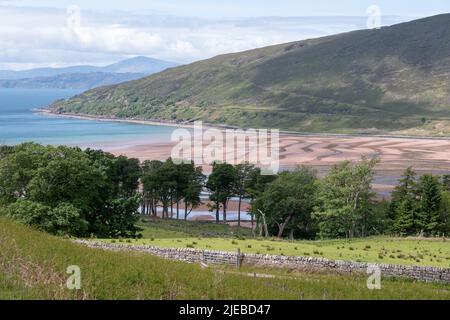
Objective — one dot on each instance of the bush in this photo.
(62, 220)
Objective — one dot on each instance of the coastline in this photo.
(190, 125)
(320, 151)
(113, 119)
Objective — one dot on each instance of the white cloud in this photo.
(42, 36)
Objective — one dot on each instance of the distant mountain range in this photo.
(393, 80)
(83, 77)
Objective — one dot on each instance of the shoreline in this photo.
(190, 125)
(320, 151)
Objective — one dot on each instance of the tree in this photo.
(405, 204)
(67, 179)
(255, 187)
(122, 172)
(149, 171)
(430, 191)
(127, 175)
(405, 221)
(346, 197)
(123, 222)
(17, 167)
(192, 190)
(445, 213)
(6, 150)
(68, 191)
(446, 182)
(221, 184)
(406, 190)
(287, 203)
(244, 174)
(165, 178)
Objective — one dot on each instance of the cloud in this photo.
(50, 36)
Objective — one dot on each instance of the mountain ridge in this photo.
(83, 77)
(394, 79)
(139, 64)
(78, 81)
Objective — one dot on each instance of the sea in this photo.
(19, 122)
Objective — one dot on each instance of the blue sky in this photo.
(252, 8)
(36, 33)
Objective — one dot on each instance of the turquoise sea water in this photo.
(18, 123)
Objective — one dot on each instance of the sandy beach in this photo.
(395, 154)
(319, 151)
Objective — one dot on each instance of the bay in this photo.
(18, 123)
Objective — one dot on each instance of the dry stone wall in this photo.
(429, 274)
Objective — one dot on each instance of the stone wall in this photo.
(429, 274)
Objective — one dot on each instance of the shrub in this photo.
(64, 219)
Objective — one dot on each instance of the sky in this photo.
(57, 33)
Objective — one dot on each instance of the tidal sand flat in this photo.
(322, 152)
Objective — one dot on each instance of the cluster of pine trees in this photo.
(169, 184)
(421, 205)
(177, 187)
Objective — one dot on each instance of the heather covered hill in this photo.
(395, 79)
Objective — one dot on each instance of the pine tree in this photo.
(404, 223)
(404, 204)
(446, 182)
(430, 191)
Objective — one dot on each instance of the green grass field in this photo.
(33, 266)
(158, 228)
(180, 234)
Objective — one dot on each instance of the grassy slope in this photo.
(365, 81)
(33, 264)
(181, 234)
(160, 229)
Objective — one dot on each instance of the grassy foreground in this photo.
(180, 234)
(33, 266)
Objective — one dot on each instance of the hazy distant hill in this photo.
(395, 78)
(83, 77)
(81, 81)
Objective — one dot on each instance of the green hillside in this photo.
(369, 81)
(33, 266)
